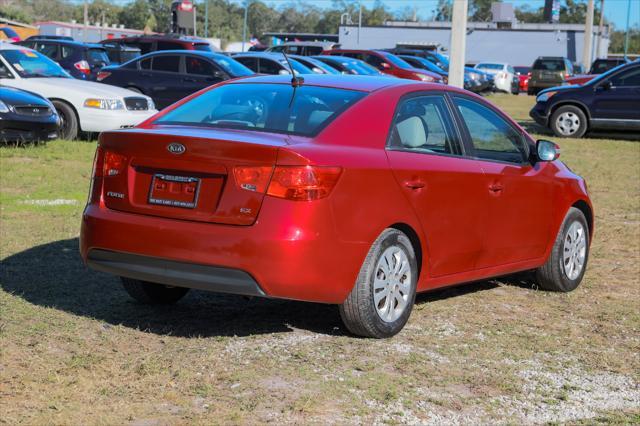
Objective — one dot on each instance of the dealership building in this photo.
(502, 41)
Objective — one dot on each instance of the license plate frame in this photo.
(158, 196)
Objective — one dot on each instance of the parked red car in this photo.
(358, 191)
(388, 63)
(524, 74)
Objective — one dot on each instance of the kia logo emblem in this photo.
(176, 148)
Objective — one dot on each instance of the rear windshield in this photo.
(205, 47)
(264, 107)
(599, 66)
(522, 70)
(549, 64)
(97, 56)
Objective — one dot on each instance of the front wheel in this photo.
(69, 127)
(567, 262)
(569, 122)
(151, 293)
(381, 301)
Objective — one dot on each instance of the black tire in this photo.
(553, 275)
(153, 294)
(69, 127)
(359, 312)
(569, 113)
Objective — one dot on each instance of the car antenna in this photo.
(295, 80)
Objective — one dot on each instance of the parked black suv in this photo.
(169, 76)
(609, 101)
(153, 43)
(81, 60)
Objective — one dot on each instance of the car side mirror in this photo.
(607, 85)
(547, 150)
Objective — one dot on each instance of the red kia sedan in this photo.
(356, 191)
(388, 63)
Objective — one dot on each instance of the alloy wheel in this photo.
(392, 284)
(574, 250)
(568, 123)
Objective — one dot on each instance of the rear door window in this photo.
(97, 56)
(423, 124)
(168, 45)
(48, 49)
(66, 51)
(166, 63)
(267, 66)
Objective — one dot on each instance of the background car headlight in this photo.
(3, 107)
(544, 97)
(474, 76)
(110, 104)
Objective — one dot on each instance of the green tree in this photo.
(480, 10)
(137, 15)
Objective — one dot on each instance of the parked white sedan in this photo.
(503, 74)
(82, 105)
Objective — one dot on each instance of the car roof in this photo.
(212, 55)
(172, 37)
(348, 82)
(68, 42)
(262, 54)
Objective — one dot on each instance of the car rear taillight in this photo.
(253, 178)
(96, 176)
(83, 67)
(114, 164)
(303, 183)
(102, 75)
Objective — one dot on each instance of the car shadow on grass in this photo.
(53, 275)
(534, 128)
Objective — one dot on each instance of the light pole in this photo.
(206, 19)
(588, 33)
(626, 36)
(458, 42)
(244, 25)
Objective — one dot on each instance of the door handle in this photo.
(496, 187)
(414, 184)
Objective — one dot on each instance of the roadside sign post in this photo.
(588, 37)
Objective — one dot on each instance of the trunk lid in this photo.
(185, 173)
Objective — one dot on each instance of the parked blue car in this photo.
(82, 60)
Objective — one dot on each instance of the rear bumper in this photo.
(178, 274)
(292, 251)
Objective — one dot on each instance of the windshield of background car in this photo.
(278, 108)
(233, 67)
(298, 68)
(28, 63)
(398, 62)
(98, 56)
(604, 76)
(522, 70)
(490, 66)
(603, 66)
(127, 55)
(549, 64)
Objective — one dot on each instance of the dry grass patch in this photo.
(76, 350)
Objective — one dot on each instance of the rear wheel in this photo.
(151, 293)
(381, 301)
(567, 262)
(569, 121)
(68, 120)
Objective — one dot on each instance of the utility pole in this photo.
(600, 29)
(206, 19)
(359, 20)
(86, 21)
(458, 42)
(244, 25)
(588, 34)
(626, 35)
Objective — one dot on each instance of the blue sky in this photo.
(615, 10)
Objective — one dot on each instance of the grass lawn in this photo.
(75, 349)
